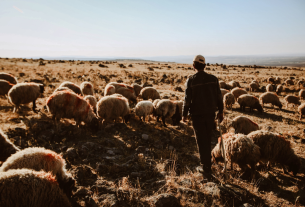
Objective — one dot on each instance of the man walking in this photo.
(202, 99)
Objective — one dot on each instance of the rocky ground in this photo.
(146, 164)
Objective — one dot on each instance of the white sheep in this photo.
(127, 93)
(243, 125)
(238, 92)
(270, 97)
(28, 188)
(290, 99)
(149, 93)
(7, 148)
(109, 90)
(38, 158)
(8, 77)
(249, 101)
(64, 104)
(168, 109)
(112, 107)
(228, 100)
(143, 109)
(72, 86)
(86, 88)
(24, 93)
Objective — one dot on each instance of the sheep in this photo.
(290, 99)
(239, 149)
(253, 86)
(224, 92)
(233, 84)
(222, 84)
(64, 104)
(243, 125)
(24, 93)
(137, 88)
(289, 82)
(28, 188)
(7, 148)
(155, 103)
(274, 148)
(279, 89)
(270, 80)
(278, 80)
(72, 86)
(92, 101)
(109, 90)
(149, 93)
(63, 89)
(228, 100)
(5, 86)
(302, 94)
(238, 92)
(127, 93)
(249, 101)
(112, 107)
(8, 77)
(38, 158)
(301, 110)
(255, 81)
(144, 108)
(270, 97)
(180, 106)
(300, 82)
(168, 109)
(86, 88)
(270, 87)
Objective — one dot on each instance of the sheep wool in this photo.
(249, 101)
(63, 89)
(112, 107)
(24, 93)
(238, 92)
(228, 100)
(253, 86)
(127, 93)
(270, 80)
(86, 88)
(109, 90)
(168, 109)
(278, 80)
(7, 148)
(300, 82)
(72, 86)
(149, 93)
(289, 82)
(222, 84)
(302, 94)
(143, 109)
(64, 104)
(38, 158)
(5, 86)
(275, 148)
(244, 125)
(301, 110)
(279, 89)
(137, 89)
(28, 188)
(92, 101)
(8, 77)
(295, 100)
(224, 92)
(270, 87)
(270, 97)
(233, 84)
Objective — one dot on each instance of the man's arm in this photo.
(187, 99)
(219, 103)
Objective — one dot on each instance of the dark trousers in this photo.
(203, 126)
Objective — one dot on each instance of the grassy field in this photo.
(116, 166)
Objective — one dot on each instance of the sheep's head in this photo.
(127, 118)
(94, 124)
(41, 88)
(67, 185)
(176, 117)
(259, 107)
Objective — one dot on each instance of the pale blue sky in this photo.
(138, 28)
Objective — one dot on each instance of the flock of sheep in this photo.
(46, 169)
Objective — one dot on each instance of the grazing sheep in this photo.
(239, 149)
(28, 188)
(143, 109)
(278, 80)
(127, 93)
(64, 104)
(228, 100)
(7, 148)
(295, 100)
(63, 89)
(301, 110)
(233, 84)
(5, 86)
(289, 82)
(168, 109)
(109, 90)
(238, 92)
(249, 101)
(274, 148)
(86, 88)
(92, 101)
(279, 89)
(222, 84)
(270, 97)
(8, 77)
(24, 93)
(72, 86)
(302, 94)
(255, 81)
(253, 86)
(270, 80)
(112, 107)
(300, 82)
(243, 125)
(137, 88)
(149, 93)
(155, 103)
(270, 87)
(38, 158)
(224, 92)
(119, 85)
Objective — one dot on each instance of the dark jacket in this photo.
(202, 95)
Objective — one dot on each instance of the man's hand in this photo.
(184, 119)
(220, 117)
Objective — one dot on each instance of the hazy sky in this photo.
(138, 28)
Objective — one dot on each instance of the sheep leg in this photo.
(163, 120)
(158, 119)
(34, 106)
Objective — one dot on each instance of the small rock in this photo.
(71, 153)
(171, 148)
(110, 152)
(145, 136)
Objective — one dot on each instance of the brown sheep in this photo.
(72, 86)
(238, 92)
(295, 100)
(249, 101)
(270, 88)
(224, 92)
(228, 100)
(302, 94)
(8, 77)
(275, 148)
(279, 89)
(271, 80)
(7, 148)
(270, 97)
(243, 125)
(289, 82)
(222, 84)
(253, 87)
(278, 80)
(301, 110)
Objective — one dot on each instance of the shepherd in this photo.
(202, 100)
